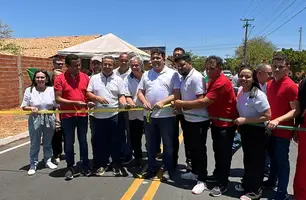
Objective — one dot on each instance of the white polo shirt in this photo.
(251, 107)
(159, 86)
(130, 84)
(193, 85)
(263, 88)
(122, 76)
(110, 88)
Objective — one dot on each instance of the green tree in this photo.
(232, 64)
(197, 61)
(297, 61)
(259, 49)
(5, 33)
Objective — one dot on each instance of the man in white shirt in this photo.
(130, 84)
(159, 87)
(178, 51)
(106, 90)
(96, 67)
(264, 74)
(193, 87)
(126, 151)
(123, 70)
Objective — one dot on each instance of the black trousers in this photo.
(57, 140)
(254, 145)
(176, 144)
(93, 144)
(136, 130)
(223, 138)
(196, 133)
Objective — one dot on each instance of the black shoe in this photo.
(77, 171)
(159, 156)
(268, 185)
(86, 171)
(251, 195)
(69, 174)
(117, 171)
(167, 176)
(188, 167)
(149, 174)
(217, 191)
(267, 173)
(127, 160)
(211, 179)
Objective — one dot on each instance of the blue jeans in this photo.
(164, 128)
(69, 126)
(280, 166)
(107, 141)
(35, 138)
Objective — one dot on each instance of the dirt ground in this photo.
(13, 125)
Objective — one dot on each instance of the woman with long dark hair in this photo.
(253, 108)
(40, 96)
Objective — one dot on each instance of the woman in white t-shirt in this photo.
(40, 96)
(253, 108)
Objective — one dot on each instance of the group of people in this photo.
(254, 109)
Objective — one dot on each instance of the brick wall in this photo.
(12, 83)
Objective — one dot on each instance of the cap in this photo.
(97, 58)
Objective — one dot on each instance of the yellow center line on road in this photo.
(138, 181)
(156, 182)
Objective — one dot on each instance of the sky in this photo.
(206, 27)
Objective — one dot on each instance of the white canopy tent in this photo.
(107, 45)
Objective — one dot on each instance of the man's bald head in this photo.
(264, 73)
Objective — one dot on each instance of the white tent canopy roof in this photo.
(107, 45)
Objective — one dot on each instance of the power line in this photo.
(293, 10)
(250, 32)
(245, 12)
(255, 8)
(277, 6)
(286, 22)
(271, 22)
(264, 10)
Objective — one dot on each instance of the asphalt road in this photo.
(46, 184)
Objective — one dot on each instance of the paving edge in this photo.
(13, 138)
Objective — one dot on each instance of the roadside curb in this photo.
(14, 138)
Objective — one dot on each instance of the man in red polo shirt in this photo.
(70, 92)
(220, 101)
(282, 95)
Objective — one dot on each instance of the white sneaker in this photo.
(199, 188)
(32, 170)
(189, 176)
(50, 165)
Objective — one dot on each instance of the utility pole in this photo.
(300, 41)
(246, 26)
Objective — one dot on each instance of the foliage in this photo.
(297, 61)
(5, 33)
(232, 64)
(197, 61)
(259, 49)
